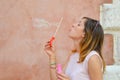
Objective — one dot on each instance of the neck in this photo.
(76, 45)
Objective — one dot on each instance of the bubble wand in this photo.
(53, 37)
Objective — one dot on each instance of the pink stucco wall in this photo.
(24, 30)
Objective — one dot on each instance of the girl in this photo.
(86, 61)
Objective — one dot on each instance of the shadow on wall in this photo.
(108, 53)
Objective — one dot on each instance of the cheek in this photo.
(80, 32)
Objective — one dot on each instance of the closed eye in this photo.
(79, 24)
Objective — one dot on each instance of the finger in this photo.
(48, 42)
(59, 74)
(58, 78)
(48, 45)
(61, 77)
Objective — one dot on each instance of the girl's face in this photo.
(77, 30)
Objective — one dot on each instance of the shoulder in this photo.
(93, 55)
(95, 67)
(94, 60)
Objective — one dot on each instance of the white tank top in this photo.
(78, 71)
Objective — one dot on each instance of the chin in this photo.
(71, 36)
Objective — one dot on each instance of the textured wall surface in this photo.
(109, 17)
(110, 14)
(25, 26)
(108, 49)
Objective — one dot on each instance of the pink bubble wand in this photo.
(59, 68)
(53, 37)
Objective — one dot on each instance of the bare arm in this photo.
(95, 68)
(52, 61)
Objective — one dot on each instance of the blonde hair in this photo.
(93, 39)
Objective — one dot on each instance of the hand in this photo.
(62, 76)
(49, 50)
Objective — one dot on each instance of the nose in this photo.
(72, 26)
